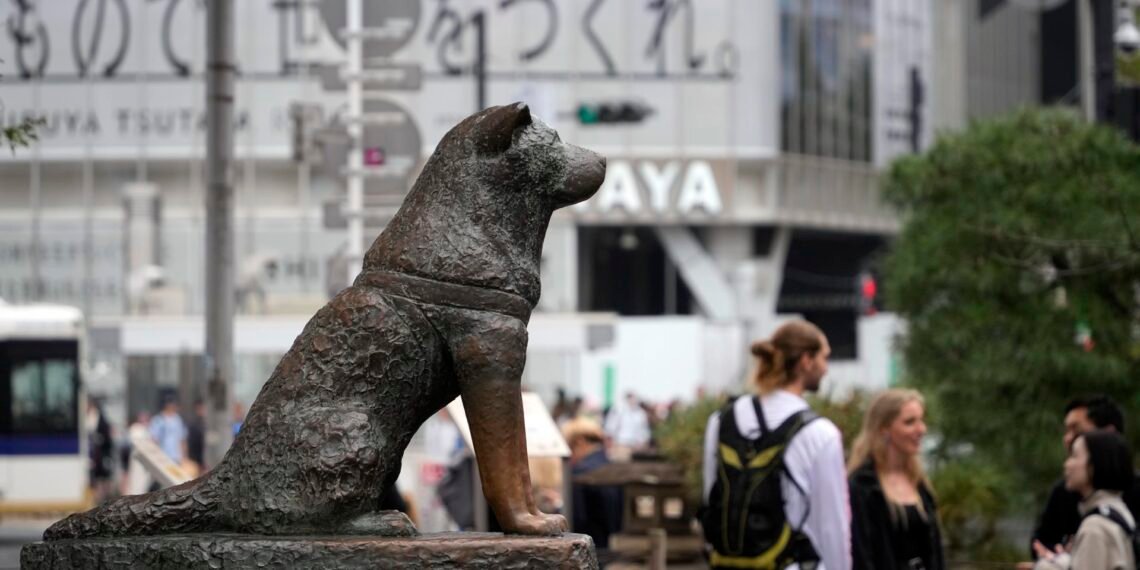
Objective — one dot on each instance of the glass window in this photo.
(59, 406)
(40, 387)
(27, 396)
(825, 54)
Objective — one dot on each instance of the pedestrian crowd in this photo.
(778, 492)
(181, 438)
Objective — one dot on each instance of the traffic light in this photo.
(868, 292)
(621, 112)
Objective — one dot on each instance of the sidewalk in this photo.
(15, 533)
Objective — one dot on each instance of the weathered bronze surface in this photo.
(471, 551)
(439, 310)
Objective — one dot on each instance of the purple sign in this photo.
(374, 156)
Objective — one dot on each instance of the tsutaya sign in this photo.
(660, 190)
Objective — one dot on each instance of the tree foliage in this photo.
(1018, 272)
(21, 134)
(681, 439)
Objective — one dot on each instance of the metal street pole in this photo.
(480, 23)
(1096, 26)
(1087, 58)
(354, 70)
(219, 227)
(1104, 57)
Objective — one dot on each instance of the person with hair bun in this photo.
(1099, 469)
(893, 512)
(775, 487)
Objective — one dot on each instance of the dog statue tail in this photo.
(184, 508)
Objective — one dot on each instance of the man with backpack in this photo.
(774, 479)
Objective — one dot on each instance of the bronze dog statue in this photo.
(440, 310)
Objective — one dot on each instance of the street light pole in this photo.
(219, 227)
(480, 23)
(354, 70)
(1087, 58)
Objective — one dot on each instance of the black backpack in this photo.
(1115, 516)
(744, 518)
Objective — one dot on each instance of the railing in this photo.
(831, 194)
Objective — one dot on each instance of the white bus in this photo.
(43, 452)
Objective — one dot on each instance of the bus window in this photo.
(59, 407)
(27, 396)
(40, 388)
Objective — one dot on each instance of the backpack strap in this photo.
(763, 422)
(1114, 516)
(801, 548)
(728, 428)
(790, 428)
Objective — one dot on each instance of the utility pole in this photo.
(480, 23)
(219, 227)
(1104, 50)
(354, 71)
(1087, 58)
(1096, 25)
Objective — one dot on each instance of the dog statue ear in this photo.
(498, 127)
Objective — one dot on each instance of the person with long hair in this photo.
(1099, 469)
(1061, 517)
(773, 469)
(894, 516)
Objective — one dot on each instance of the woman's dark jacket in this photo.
(871, 531)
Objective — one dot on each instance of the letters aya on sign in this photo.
(661, 190)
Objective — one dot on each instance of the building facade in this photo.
(745, 142)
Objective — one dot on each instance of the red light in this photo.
(870, 288)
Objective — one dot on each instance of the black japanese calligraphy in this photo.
(87, 52)
(30, 38)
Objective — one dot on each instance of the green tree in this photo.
(1018, 271)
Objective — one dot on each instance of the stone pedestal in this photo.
(477, 551)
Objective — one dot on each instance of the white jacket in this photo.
(1100, 544)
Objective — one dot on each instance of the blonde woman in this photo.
(774, 483)
(894, 518)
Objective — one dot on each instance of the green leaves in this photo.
(21, 134)
(1019, 232)
(681, 439)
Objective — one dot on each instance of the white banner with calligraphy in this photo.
(118, 79)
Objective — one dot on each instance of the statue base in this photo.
(446, 550)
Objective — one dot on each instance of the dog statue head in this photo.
(478, 213)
